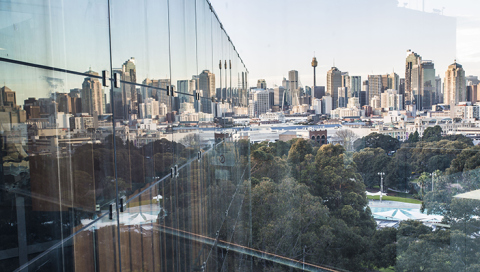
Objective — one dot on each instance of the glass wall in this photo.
(117, 153)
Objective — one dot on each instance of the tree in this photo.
(468, 159)
(374, 140)
(413, 138)
(369, 162)
(432, 134)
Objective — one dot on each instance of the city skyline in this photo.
(267, 56)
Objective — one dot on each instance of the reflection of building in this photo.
(10, 113)
(92, 96)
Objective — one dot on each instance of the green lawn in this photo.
(395, 198)
(390, 269)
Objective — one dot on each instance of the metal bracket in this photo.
(106, 78)
(112, 211)
(123, 203)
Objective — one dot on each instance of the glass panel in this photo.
(48, 33)
(57, 157)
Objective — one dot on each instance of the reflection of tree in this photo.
(347, 137)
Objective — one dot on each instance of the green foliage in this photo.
(375, 140)
(413, 138)
(468, 159)
(369, 162)
(432, 134)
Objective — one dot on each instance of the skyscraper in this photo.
(262, 84)
(92, 95)
(393, 81)
(454, 84)
(355, 86)
(293, 90)
(374, 87)
(438, 90)
(428, 84)
(206, 83)
(412, 60)
(129, 74)
(334, 81)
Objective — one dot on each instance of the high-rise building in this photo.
(129, 74)
(206, 83)
(355, 86)
(393, 81)
(365, 93)
(374, 87)
(262, 84)
(342, 97)
(319, 92)
(472, 80)
(438, 90)
(428, 84)
(92, 95)
(454, 85)
(411, 60)
(278, 96)
(185, 89)
(334, 81)
(293, 90)
(385, 82)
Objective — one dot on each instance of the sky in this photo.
(360, 36)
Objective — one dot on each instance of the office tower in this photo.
(185, 89)
(206, 83)
(454, 85)
(393, 81)
(385, 82)
(342, 97)
(317, 105)
(472, 80)
(391, 100)
(92, 95)
(314, 65)
(374, 87)
(428, 84)
(278, 96)
(319, 92)
(285, 83)
(438, 90)
(355, 86)
(411, 60)
(129, 74)
(346, 80)
(8, 98)
(334, 81)
(308, 91)
(327, 104)
(260, 101)
(293, 90)
(362, 98)
(365, 90)
(375, 102)
(261, 84)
